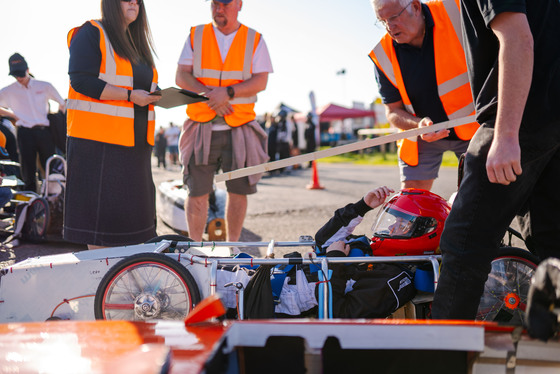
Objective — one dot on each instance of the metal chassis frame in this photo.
(324, 261)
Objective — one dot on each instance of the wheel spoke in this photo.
(137, 279)
(147, 291)
(505, 292)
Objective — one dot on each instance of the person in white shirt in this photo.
(230, 65)
(28, 100)
(172, 136)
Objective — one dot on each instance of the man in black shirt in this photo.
(513, 161)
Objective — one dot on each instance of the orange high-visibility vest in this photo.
(209, 70)
(451, 73)
(107, 121)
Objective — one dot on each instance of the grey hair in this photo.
(375, 4)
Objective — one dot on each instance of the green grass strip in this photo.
(380, 158)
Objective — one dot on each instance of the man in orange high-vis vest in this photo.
(422, 76)
(229, 63)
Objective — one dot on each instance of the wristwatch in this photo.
(230, 92)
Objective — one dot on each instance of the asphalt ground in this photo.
(283, 209)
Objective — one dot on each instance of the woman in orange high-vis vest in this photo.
(110, 195)
(422, 75)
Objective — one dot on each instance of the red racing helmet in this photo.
(409, 224)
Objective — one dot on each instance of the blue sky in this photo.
(309, 41)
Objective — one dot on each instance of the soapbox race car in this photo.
(137, 282)
(171, 196)
(166, 279)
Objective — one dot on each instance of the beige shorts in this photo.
(200, 178)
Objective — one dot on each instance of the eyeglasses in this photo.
(385, 22)
(139, 2)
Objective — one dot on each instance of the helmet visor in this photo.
(399, 224)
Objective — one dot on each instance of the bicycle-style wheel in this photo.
(36, 220)
(146, 286)
(505, 292)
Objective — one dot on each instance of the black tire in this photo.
(36, 221)
(505, 293)
(151, 285)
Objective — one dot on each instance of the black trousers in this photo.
(32, 142)
(482, 212)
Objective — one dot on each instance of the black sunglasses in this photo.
(139, 2)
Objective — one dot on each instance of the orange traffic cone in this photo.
(314, 185)
(211, 307)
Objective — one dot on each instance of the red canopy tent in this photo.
(332, 112)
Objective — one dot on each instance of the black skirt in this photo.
(110, 194)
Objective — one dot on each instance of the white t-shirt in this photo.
(30, 103)
(261, 58)
(172, 135)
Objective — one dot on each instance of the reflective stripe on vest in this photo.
(107, 121)
(451, 73)
(212, 72)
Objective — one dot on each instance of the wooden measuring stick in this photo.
(356, 146)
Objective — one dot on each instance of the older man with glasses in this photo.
(422, 76)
